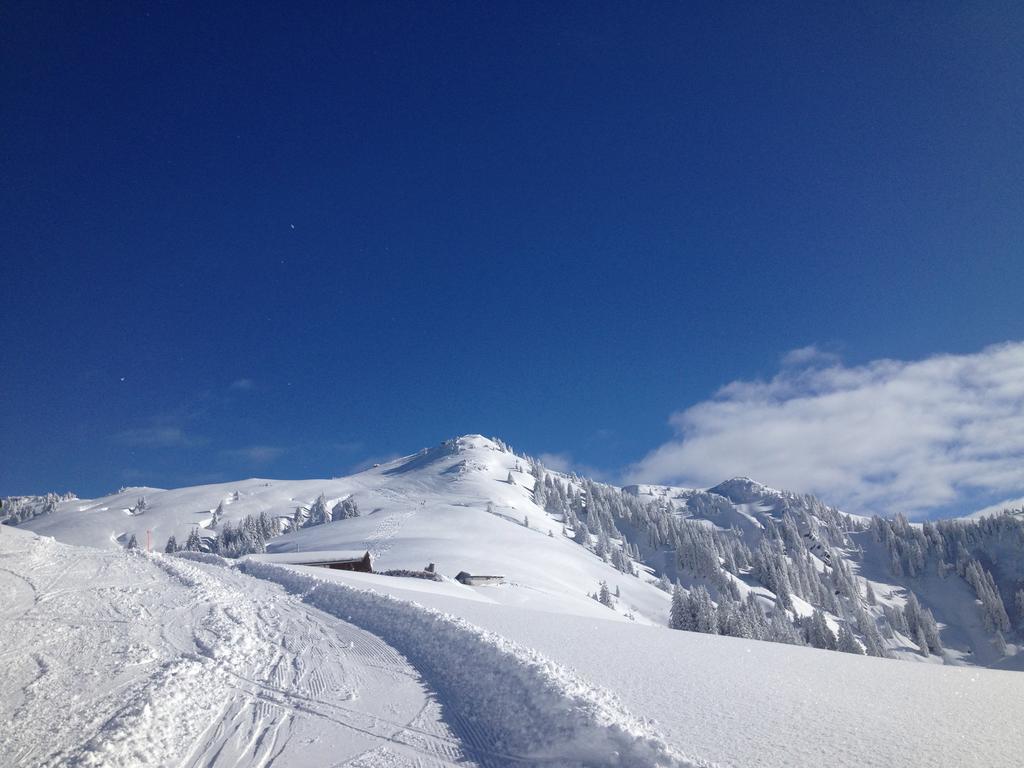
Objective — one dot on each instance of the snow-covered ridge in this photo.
(757, 562)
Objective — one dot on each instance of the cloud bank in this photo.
(889, 436)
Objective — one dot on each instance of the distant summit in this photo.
(743, 490)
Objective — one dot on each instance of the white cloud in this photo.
(883, 437)
(560, 462)
(243, 385)
(564, 462)
(809, 355)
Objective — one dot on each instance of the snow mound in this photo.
(529, 709)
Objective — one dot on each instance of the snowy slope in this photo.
(454, 506)
(747, 703)
(164, 661)
(429, 507)
(565, 678)
(118, 659)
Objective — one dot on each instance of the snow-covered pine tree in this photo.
(846, 642)
(194, 542)
(817, 631)
(999, 643)
(539, 497)
(679, 614)
(319, 513)
(132, 543)
(345, 509)
(869, 593)
(172, 544)
(218, 515)
(705, 617)
(931, 631)
(780, 630)
(921, 641)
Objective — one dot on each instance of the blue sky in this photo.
(250, 241)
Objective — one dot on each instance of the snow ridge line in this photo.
(523, 703)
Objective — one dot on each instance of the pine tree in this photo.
(604, 596)
(930, 629)
(132, 543)
(345, 509)
(912, 614)
(539, 497)
(818, 633)
(318, 513)
(172, 544)
(921, 640)
(218, 515)
(999, 643)
(846, 642)
(869, 594)
(510, 480)
(679, 614)
(705, 617)
(194, 543)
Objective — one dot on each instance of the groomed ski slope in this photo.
(739, 702)
(117, 659)
(120, 659)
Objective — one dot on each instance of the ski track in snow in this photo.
(126, 659)
(509, 704)
(119, 659)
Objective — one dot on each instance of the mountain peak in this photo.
(741, 490)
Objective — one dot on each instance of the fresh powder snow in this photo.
(563, 657)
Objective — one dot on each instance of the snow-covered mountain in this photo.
(745, 554)
(591, 576)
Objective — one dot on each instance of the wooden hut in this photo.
(334, 559)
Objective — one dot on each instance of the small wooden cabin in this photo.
(337, 560)
(363, 564)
